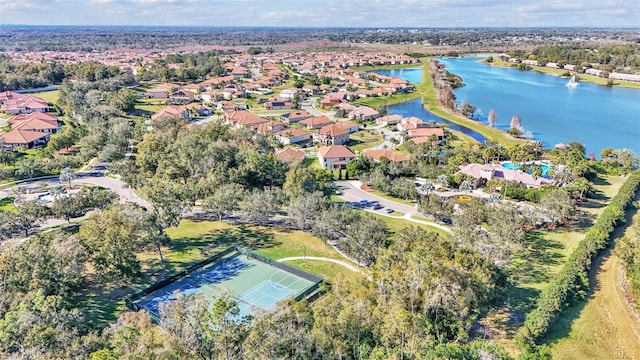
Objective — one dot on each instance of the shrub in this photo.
(572, 282)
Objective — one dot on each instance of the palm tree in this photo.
(536, 171)
(466, 186)
(443, 180)
(67, 174)
(428, 187)
(583, 185)
(56, 191)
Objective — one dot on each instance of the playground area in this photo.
(252, 280)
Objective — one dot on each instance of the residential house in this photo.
(270, 127)
(212, 96)
(293, 136)
(171, 111)
(288, 94)
(332, 135)
(433, 133)
(290, 155)
(333, 99)
(23, 138)
(52, 118)
(411, 123)
(335, 156)
(229, 106)
(364, 113)
(377, 155)
(16, 103)
(38, 125)
(389, 119)
(348, 126)
(316, 122)
(295, 116)
(278, 104)
(243, 118)
(483, 172)
(161, 91)
(181, 97)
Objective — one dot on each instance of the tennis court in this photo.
(254, 284)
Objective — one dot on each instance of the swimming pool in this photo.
(511, 166)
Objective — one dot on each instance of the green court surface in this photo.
(254, 284)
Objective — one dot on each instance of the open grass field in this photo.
(396, 224)
(150, 106)
(603, 326)
(48, 96)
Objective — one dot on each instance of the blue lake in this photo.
(595, 115)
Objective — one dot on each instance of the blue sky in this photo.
(325, 13)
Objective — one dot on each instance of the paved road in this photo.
(351, 192)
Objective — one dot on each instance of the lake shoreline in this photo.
(558, 72)
(550, 110)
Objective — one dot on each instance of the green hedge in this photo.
(572, 282)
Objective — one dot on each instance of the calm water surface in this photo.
(551, 112)
(595, 115)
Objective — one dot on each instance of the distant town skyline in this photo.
(319, 13)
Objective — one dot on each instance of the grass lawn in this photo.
(602, 327)
(6, 204)
(546, 253)
(363, 139)
(397, 224)
(150, 106)
(325, 269)
(48, 96)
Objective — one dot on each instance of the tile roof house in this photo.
(26, 138)
(332, 135)
(349, 126)
(316, 122)
(278, 104)
(161, 91)
(269, 127)
(293, 136)
(483, 172)
(437, 132)
(335, 156)
(15, 103)
(171, 111)
(377, 155)
(243, 118)
(389, 119)
(295, 116)
(363, 113)
(290, 155)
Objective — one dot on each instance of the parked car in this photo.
(378, 207)
(389, 210)
(446, 221)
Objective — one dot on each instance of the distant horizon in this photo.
(325, 13)
(324, 27)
